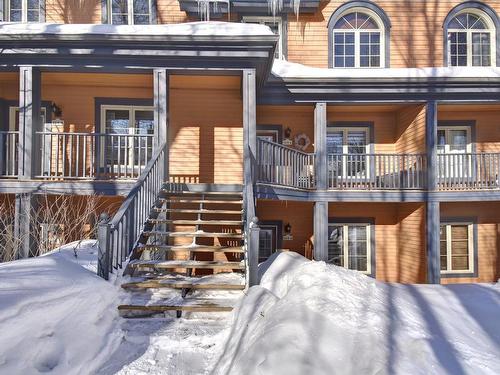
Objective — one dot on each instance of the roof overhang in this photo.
(255, 7)
(118, 52)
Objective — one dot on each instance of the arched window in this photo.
(471, 33)
(357, 41)
(358, 36)
(471, 40)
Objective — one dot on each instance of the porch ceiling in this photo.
(100, 50)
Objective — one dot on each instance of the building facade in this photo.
(362, 133)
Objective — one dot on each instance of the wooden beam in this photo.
(321, 231)
(432, 238)
(431, 144)
(320, 163)
(25, 209)
(30, 120)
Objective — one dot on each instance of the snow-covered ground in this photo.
(58, 317)
(312, 318)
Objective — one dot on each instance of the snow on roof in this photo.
(285, 69)
(188, 29)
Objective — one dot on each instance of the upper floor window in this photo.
(471, 40)
(349, 246)
(358, 40)
(24, 11)
(277, 26)
(130, 12)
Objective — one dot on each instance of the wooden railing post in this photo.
(103, 256)
(253, 252)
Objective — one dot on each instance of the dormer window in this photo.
(471, 40)
(130, 12)
(278, 26)
(24, 11)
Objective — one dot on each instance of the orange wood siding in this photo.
(416, 34)
(411, 258)
(300, 119)
(206, 129)
(410, 137)
(382, 117)
(488, 225)
(298, 214)
(487, 119)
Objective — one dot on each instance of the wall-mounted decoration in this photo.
(302, 141)
(287, 233)
(287, 133)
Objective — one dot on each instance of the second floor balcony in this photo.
(282, 166)
(79, 156)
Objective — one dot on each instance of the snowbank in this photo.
(313, 318)
(211, 28)
(56, 315)
(285, 69)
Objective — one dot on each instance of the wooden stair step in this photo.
(197, 248)
(199, 234)
(206, 193)
(200, 264)
(195, 222)
(203, 211)
(179, 284)
(204, 201)
(188, 307)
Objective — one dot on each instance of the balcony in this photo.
(282, 166)
(80, 156)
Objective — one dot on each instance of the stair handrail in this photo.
(118, 236)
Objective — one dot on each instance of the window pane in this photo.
(117, 121)
(357, 247)
(16, 15)
(358, 264)
(364, 61)
(339, 62)
(118, 19)
(16, 4)
(265, 244)
(460, 263)
(458, 140)
(141, 7)
(335, 245)
(349, 62)
(33, 15)
(349, 38)
(357, 233)
(338, 38)
(475, 22)
(141, 20)
(460, 247)
(356, 141)
(119, 11)
(33, 4)
(334, 142)
(349, 49)
(347, 22)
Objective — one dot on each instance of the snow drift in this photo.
(313, 318)
(56, 315)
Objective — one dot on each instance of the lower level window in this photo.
(349, 246)
(456, 248)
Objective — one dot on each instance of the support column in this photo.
(321, 162)
(30, 121)
(432, 207)
(249, 141)
(160, 88)
(321, 231)
(25, 209)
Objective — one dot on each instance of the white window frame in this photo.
(14, 112)
(345, 148)
(265, 20)
(24, 11)
(490, 30)
(448, 129)
(130, 12)
(357, 37)
(345, 244)
(470, 233)
(132, 109)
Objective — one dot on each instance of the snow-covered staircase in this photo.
(190, 257)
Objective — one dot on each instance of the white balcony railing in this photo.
(9, 141)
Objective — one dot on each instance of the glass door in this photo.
(347, 150)
(455, 143)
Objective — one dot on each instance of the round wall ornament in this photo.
(302, 141)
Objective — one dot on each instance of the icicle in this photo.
(276, 6)
(204, 8)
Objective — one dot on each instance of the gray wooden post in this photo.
(249, 140)
(24, 220)
(321, 231)
(432, 208)
(160, 94)
(30, 121)
(253, 252)
(103, 256)
(321, 162)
